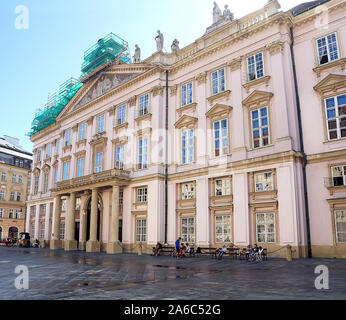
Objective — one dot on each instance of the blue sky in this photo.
(37, 60)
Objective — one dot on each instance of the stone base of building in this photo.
(82, 246)
(135, 248)
(70, 245)
(55, 245)
(114, 248)
(93, 246)
(338, 251)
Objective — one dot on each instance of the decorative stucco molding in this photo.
(235, 64)
(201, 78)
(157, 90)
(275, 47)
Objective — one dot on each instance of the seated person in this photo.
(221, 252)
(183, 250)
(157, 249)
(198, 251)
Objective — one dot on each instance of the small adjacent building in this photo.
(15, 171)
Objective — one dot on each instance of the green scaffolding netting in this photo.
(105, 52)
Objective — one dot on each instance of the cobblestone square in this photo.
(59, 275)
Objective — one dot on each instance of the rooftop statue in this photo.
(159, 41)
(175, 46)
(227, 14)
(137, 56)
(217, 15)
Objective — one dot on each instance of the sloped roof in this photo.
(7, 145)
(306, 6)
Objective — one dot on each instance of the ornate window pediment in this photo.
(46, 168)
(257, 98)
(219, 111)
(331, 83)
(185, 121)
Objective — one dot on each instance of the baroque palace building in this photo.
(237, 138)
(15, 171)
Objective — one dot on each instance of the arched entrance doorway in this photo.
(89, 219)
(13, 233)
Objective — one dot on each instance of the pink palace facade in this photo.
(255, 150)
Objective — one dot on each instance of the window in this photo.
(42, 231)
(11, 216)
(14, 178)
(32, 231)
(264, 182)
(218, 81)
(2, 195)
(21, 163)
(143, 153)
(187, 145)
(43, 210)
(119, 163)
(62, 231)
(45, 182)
(81, 135)
(55, 175)
(98, 162)
(255, 66)
(142, 194)
(19, 195)
(336, 117)
(186, 94)
(1, 214)
(121, 115)
(327, 49)
(141, 230)
(38, 155)
(144, 105)
(12, 196)
(100, 123)
(265, 227)
(260, 127)
(66, 170)
(48, 150)
(57, 150)
(188, 230)
(221, 137)
(63, 205)
(3, 176)
(188, 191)
(222, 187)
(223, 229)
(340, 226)
(68, 138)
(339, 176)
(18, 212)
(121, 198)
(20, 179)
(80, 167)
(36, 185)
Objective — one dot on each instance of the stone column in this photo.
(83, 230)
(114, 246)
(55, 242)
(93, 245)
(71, 243)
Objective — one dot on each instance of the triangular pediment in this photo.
(102, 84)
(331, 82)
(218, 110)
(185, 121)
(257, 97)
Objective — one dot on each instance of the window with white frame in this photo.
(62, 231)
(327, 48)
(19, 196)
(187, 145)
(38, 155)
(11, 216)
(32, 231)
(43, 210)
(66, 170)
(12, 196)
(1, 214)
(42, 231)
(45, 182)
(121, 115)
(98, 162)
(260, 127)
(265, 227)
(68, 137)
(36, 181)
(20, 179)
(2, 195)
(82, 132)
(141, 230)
(186, 94)
(142, 195)
(3, 176)
(143, 153)
(264, 181)
(80, 167)
(255, 66)
(48, 150)
(121, 197)
(119, 157)
(78, 203)
(336, 117)
(100, 123)
(14, 178)
(339, 176)
(18, 212)
(188, 191)
(223, 229)
(57, 148)
(63, 205)
(222, 187)
(188, 230)
(340, 226)
(221, 137)
(218, 81)
(143, 105)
